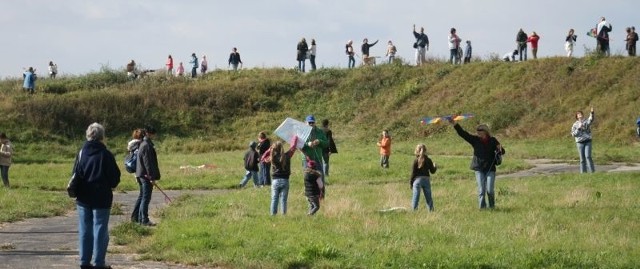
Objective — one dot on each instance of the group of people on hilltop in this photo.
(269, 163)
(304, 52)
(234, 62)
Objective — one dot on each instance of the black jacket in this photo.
(311, 187)
(332, 144)
(484, 155)
(366, 46)
(99, 173)
(422, 171)
(251, 159)
(147, 165)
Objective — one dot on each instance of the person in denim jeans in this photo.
(420, 179)
(147, 172)
(281, 163)
(251, 159)
(485, 148)
(99, 174)
(263, 145)
(581, 131)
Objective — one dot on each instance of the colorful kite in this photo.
(438, 119)
(593, 32)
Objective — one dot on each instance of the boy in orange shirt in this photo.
(385, 149)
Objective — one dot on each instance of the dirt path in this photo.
(52, 242)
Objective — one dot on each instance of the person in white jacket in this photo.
(454, 44)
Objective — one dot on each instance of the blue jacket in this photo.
(99, 172)
(29, 80)
(194, 62)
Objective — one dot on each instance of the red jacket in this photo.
(534, 41)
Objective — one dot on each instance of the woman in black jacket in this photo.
(99, 174)
(485, 152)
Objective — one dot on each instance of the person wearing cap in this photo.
(349, 51)
(147, 172)
(251, 159)
(29, 77)
(485, 149)
(315, 144)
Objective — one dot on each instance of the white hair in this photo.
(95, 132)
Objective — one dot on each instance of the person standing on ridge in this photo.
(234, 59)
(421, 45)
(351, 54)
(169, 65)
(570, 42)
(301, 55)
(194, 65)
(533, 39)
(29, 83)
(365, 52)
(521, 41)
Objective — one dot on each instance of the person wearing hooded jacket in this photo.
(147, 172)
(99, 174)
(485, 150)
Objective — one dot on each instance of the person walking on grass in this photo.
(280, 160)
(420, 177)
(315, 145)
(385, 148)
(6, 151)
(313, 186)
(251, 159)
(581, 131)
(486, 155)
(53, 70)
(264, 144)
(29, 83)
(99, 174)
(147, 173)
(570, 42)
(234, 59)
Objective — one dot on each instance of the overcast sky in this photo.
(83, 35)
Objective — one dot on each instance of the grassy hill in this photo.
(534, 99)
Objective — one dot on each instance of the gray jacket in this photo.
(581, 130)
(147, 166)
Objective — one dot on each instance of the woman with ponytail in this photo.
(420, 177)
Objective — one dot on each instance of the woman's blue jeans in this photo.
(141, 208)
(93, 234)
(424, 184)
(486, 183)
(279, 192)
(586, 163)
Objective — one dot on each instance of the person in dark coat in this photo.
(313, 186)
(147, 172)
(301, 56)
(99, 174)
(485, 150)
(331, 149)
(263, 146)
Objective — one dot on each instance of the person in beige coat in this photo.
(5, 158)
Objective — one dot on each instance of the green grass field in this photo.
(560, 221)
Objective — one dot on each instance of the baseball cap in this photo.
(310, 118)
